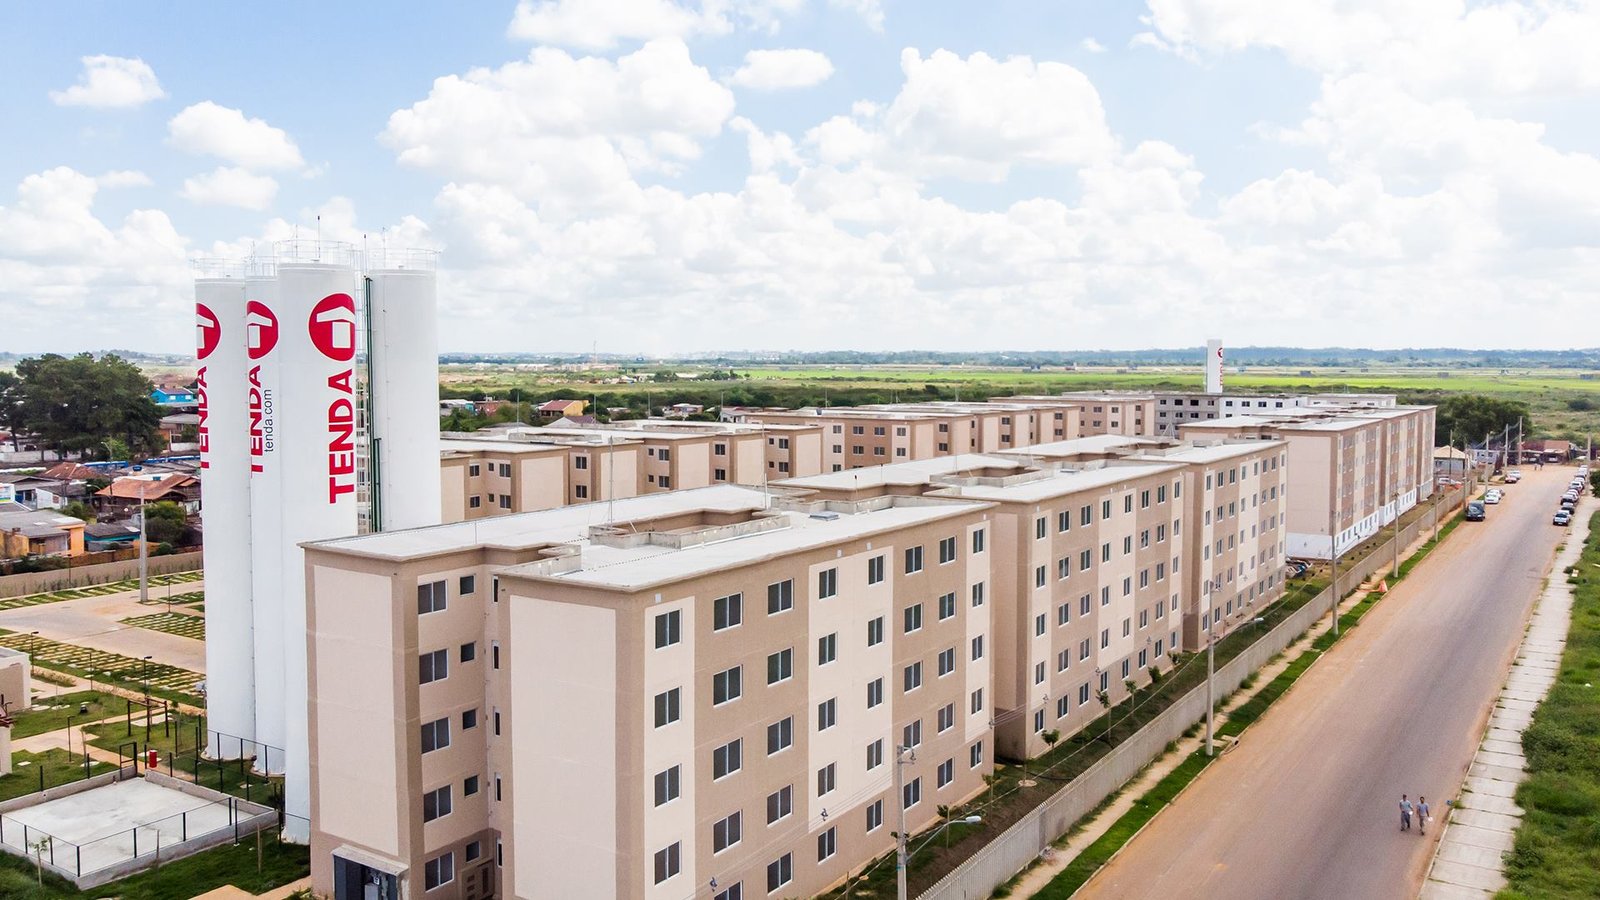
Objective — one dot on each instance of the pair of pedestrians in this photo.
(1421, 810)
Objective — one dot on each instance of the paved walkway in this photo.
(1469, 863)
(94, 622)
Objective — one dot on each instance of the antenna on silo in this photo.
(319, 230)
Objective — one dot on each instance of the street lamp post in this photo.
(1333, 557)
(1211, 644)
(900, 856)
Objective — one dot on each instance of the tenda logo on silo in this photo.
(208, 333)
(261, 335)
(333, 332)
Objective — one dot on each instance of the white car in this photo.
(1513, 476)
(1491, 497)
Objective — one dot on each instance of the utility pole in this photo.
(1396, 540)
(144, 552)
(1333, 555)
(900, 836)
(1210, 669)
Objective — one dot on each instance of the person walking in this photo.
(1422, 814)
(1405, 813)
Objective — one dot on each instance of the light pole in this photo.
(1396, 541)
(900, 856)
(1333, 557)
(1211, 644)
(144, 550)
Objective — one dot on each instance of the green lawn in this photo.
(169, 682)
(1557, 850)
(184, 598)
(51, 714)
(233, 864)
(98, 590)
(180, 624)
(59, 768)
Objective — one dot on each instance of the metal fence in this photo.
(1019, 845)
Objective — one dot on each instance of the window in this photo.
(1038, 576)
(669, 628)
(947, 661)
(1127, 545)
(469, 719)
(1064, 520)
(1085, 560)
(467, 584)
(913, 560)
(827, 583)
(1144, 499)
(581, 491)
(827, 843)
(469, 651)
(667, 785)
(430, 597)
(913, 676)
(780, 735)
(436, 803)
(780, 803)
(827, 714)
(913, 617)
(947, 772)
(727, 759)
(825, 779)
(875, 632)
(474, 850)
(874, 692)
(875, 570)
(505, 500)
(875, 815)
(780, 597)
(667, 861)
(780, 666)
(975, 755)
(911, 794)
(497, 722)
(726, 832)
(779, 872)
(433, 666)
(1038, 625)
(1038, 721)
(469, 787)
(473, 471)
(1105, 509)
(1038, 672)
(726, 612)
(1063, 614)
(977, 541)
(436, 735)
(727, 685)
(977, 594)
(947, 717)
(1086, 515)
(439, 871)
(977, 701)
(668, 706)
(474, 502)
(977, 648)
(911, 735)
(947, 550)
(827, 648)
(1063, 567)
(1063, 660)
(875, 754)
(947, 606)
(1105, 638)
(1040, 528)
(505, 470)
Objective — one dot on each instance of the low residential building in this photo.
(29, 532)
(696, 692)
(555, 409)
(1131, 413)
(124, 495)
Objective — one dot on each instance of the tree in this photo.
(164, 522)
(79, 403)
(11, 405)
(1471, 416)
(1594, 482)
(78, 510)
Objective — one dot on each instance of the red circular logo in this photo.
(260, 329)
(333, 327)
(208, 332)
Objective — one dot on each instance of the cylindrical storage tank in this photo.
(263, 330)
(317, 419)
(403, 374)
(222, 383)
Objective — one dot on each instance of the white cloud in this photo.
(229, 186)
(209, 129)
(870, 11)
(565, 130)
(1092, 45)
(122, 179)
(769, 70)
(111, 82)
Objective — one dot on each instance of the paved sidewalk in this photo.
(1468, 863)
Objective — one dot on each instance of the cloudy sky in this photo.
(678, 175)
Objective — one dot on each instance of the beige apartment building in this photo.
(1175, 409)
(1352, 471)
(695, 693)
(1128, 413)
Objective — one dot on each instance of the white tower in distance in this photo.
(1214, 366)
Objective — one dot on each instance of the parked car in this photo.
(1491, 496)
(1513, 476)
(1475, 511)
(1562, 517)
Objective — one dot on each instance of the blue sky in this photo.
(684, 175)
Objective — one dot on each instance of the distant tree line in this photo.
(100, 408)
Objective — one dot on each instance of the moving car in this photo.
(1562, 517)
(1475, 511)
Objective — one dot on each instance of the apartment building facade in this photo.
(703, 694)
(1352, 471)
(1177, 408)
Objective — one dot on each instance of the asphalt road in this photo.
(1307, 806)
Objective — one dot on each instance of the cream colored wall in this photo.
(15, 682)
(664, 669)
(563, 734)
(453, 490)
(541, 481)
(693, 463)
(359, 797)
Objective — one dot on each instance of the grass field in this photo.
(1557, 850)
(59, 767)
(52, 714)
(180, 624)
(233, 864)
(169, 682)
(101, 590)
